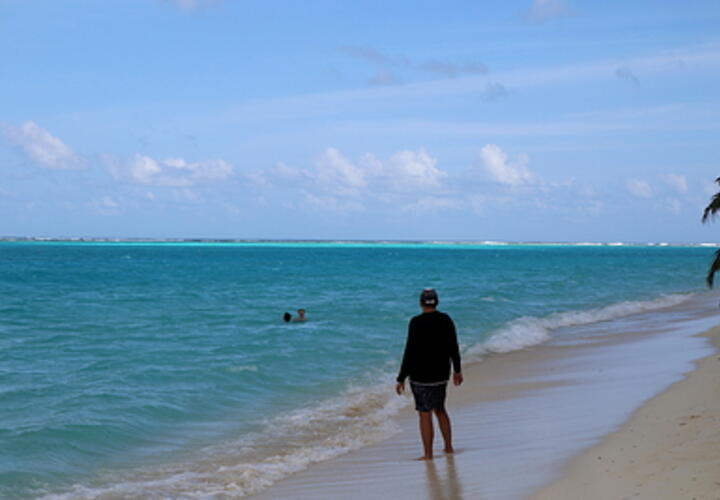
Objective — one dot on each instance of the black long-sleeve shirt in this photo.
(431, 346)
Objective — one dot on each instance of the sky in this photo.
(513, 120)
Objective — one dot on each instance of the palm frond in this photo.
(714, 205)
(714, 267)
(712, 208)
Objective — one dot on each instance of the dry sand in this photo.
(669, 450)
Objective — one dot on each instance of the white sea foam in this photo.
(526, 331)
(288, 444)
(492, 243)
(243, 368)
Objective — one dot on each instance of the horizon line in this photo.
(376, 241)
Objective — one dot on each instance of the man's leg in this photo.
(445, 429)
(426, 433)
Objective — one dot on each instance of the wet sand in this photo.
(669, 450)
(521, 417)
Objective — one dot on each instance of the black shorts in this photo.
(429, 397)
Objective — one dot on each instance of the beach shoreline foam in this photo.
(522, 416)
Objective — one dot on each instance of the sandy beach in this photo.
(670, 449)
(581, 414)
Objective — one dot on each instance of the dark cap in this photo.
(429, 297)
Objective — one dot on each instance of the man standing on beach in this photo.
(431, 346)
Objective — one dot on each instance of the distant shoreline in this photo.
(369, 242)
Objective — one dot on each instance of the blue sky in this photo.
(543, 120)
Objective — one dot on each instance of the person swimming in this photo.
(301, 316)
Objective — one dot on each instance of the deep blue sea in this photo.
(131, 370)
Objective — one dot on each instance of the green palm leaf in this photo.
(713, 207)
(710, 211)
(714, 266)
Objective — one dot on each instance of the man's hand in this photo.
(457, 378)
(400, 388)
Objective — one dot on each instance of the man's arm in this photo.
(405, 365)
(454, 351)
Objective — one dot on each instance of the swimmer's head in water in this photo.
(429, 297)
(287, 317)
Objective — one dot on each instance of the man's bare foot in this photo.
(424, 458)
(449, 450)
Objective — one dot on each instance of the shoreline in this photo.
(521, 417)
(669, 448)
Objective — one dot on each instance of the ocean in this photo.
(164, 369)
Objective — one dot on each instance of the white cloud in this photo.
(337, 174)
(499, 169)
(207, 170)
(639, 188)
(105, 206)
(545, 10)
(43, 148)
(172, 172)
(337, 183)
(412, 170)
(410, 182)
(676, 181)
(281, 173)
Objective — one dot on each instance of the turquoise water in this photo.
(166, 368)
